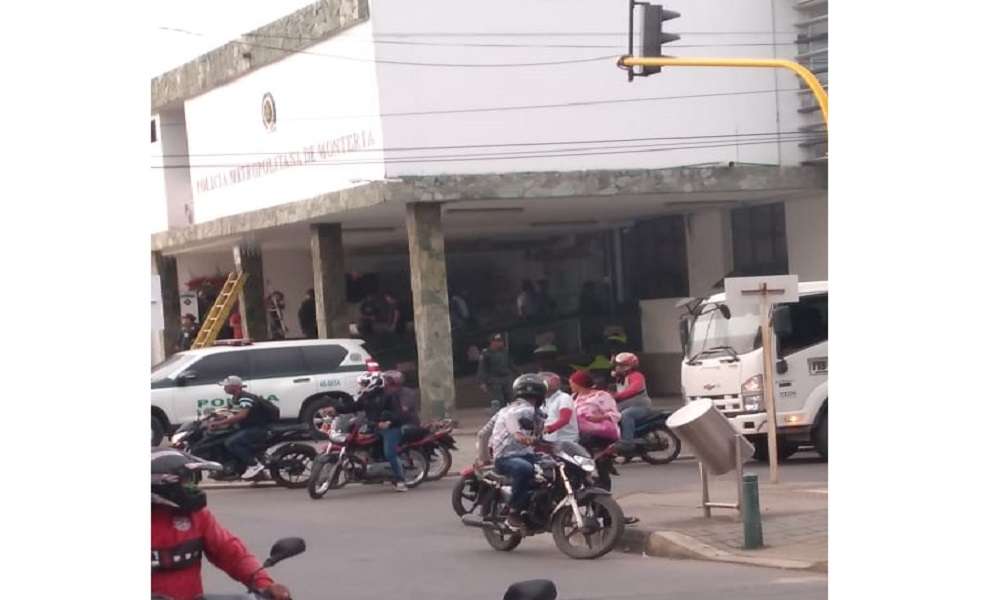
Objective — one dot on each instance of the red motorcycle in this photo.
(355, 456)
(437, 443)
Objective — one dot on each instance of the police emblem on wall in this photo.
(269, 113)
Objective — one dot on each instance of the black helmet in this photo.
(530, 387)
(172, 479)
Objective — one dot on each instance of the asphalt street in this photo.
(368, 542)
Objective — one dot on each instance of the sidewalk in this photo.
(672, 525)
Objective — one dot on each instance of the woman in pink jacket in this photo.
(596, 411)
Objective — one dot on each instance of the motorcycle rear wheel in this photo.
(291, 465)
(604, 512)
(660, 446)
(465, 495)
(414, 465)
(439, 463)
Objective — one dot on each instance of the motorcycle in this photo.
(355, 456)
(288, 461)
(437, 444)
(282, 549)
(466, 494)
(585, 520)
(655, 443)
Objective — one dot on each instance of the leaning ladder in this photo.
(220, 310)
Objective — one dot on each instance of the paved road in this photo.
(370, 543)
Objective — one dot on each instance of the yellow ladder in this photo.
(220, 310)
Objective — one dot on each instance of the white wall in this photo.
(407, 88)
(327, 115)
(709, 251)
(176, 175)
(806, 229)
(157, 185)
(659, 325)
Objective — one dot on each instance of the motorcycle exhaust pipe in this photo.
(471, 521)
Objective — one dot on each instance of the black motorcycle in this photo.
(288, 461)
(655, 443)
(585, 520)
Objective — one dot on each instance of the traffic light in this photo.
(651, 34)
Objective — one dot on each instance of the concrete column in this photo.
(709, 249)
(253, 313)
(806, 235)
(170, 299)
(326, 243)
(429, 283)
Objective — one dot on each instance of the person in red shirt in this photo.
(630, 394)
(183, 530)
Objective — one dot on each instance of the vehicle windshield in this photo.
(712, 330)
(161, 370)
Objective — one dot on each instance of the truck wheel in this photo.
(785, 450)
(820, 438)
(158, 432)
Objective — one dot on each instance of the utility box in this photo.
(708, 432)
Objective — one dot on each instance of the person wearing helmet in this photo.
(630, 394)
(253, 415)
(183, 530)
(511, 441)
(383, 410)
(560, 412)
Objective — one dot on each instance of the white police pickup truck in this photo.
(300, 377)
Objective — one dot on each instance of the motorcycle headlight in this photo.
(587, 464)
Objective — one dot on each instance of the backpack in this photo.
(270, 409)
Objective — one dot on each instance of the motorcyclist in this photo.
(183, 530)
(510, 436)
(253, 415)
(409, 398)
(383, 410)
(630, 393)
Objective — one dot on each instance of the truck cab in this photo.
(723, 361)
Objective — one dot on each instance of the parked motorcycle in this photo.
(437, 443)
(466, 494)
(355, 456)
(585, 520)
(282, 549)
(655, 443)
(288, 461)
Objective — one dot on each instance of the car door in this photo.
(198, 386)
(280, 375)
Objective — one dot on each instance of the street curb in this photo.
(676, 545)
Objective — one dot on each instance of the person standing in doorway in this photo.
(527, 301)
(236, 322)
(188, 333)
(307, 315)
(496, 372)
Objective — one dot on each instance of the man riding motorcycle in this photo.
(630, 393)
(383, 409)
(510, 436)
(183, 530)
(253, 416)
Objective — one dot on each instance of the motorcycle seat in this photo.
(412, 433)
(283, 428)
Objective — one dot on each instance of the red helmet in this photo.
(627, 360)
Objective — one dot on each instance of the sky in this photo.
(211, 23)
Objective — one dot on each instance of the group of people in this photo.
(589, 416)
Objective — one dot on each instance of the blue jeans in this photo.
(521, 470)
(242, 444)
(390, 440)
(630, 416)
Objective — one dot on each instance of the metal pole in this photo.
(772, 63)
(704, 490)
(739, 473)
(772, 418)
(753, 531)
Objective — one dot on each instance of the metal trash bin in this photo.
(711, 436)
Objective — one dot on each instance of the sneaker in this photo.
(252, 471)
(399, 486)
(631, 520)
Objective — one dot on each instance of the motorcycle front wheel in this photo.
(439, 463)
(603, 527)
(326, 475)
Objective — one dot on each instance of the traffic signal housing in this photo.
(651, 34)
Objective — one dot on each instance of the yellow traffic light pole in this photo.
(767, 63)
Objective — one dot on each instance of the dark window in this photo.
(759, 243)
(808, 319)
(152, 130)
(323, 359)
(276, 362)
(216, 367)
(656, 258)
